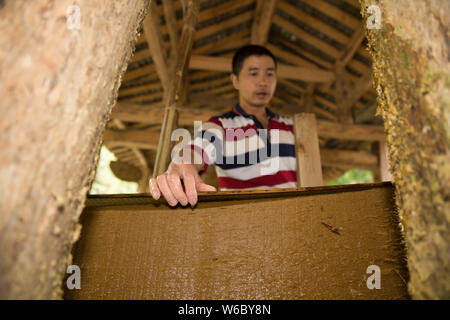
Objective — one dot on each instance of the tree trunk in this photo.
(411, 71)
(58, 85)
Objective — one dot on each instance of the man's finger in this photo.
(176, 188)
(189, 186)
(203, 187)
(165, 190)
(154, 190)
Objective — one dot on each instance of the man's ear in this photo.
(235, 81)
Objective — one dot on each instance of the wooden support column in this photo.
(385, 168)
(309, 167)
(410, 54)
(165, 144)
(58, 84)
(308, 99)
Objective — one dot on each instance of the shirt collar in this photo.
(238, 109)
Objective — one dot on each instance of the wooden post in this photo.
(409, 44)
(309, 168)
(165, 144)
(385, 168)
(60, 70)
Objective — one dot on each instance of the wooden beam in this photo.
(308, 99)
(147, 139)
(284, 71)
(262, 21)
(343, 101)
(346, 159)
(142, 139)
(344, 110)
(153, 34)
(360, 88)
(155, 114)
(353, 46)
(176, 90)
(334, 130)
(309, 168)
(172, 27)
(369, 113)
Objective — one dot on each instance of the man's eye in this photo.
(253, 74)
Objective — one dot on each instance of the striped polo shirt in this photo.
(247, 156)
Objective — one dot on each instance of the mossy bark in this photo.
(58, 85)
(411, 72)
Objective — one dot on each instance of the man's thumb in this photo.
(203, 187)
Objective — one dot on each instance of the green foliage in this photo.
(105, 181)
(353, 176)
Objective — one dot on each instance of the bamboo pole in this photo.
(176, 88)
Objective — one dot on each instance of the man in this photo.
(245, 156)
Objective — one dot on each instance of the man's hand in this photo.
(169, 185)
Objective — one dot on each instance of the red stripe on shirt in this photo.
(281, 126)
(267, 180)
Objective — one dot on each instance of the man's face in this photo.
(257, 81)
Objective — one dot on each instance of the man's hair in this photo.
(250, 50)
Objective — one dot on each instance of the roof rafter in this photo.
(262, 20)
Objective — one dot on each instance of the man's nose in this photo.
(262, 81)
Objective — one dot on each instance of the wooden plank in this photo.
(265, 244)
(309, 168)
(262, 20)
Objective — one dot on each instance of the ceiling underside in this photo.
(323, 36)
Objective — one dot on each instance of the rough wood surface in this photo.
(306, 243)
(412, 75)
(58, 86)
